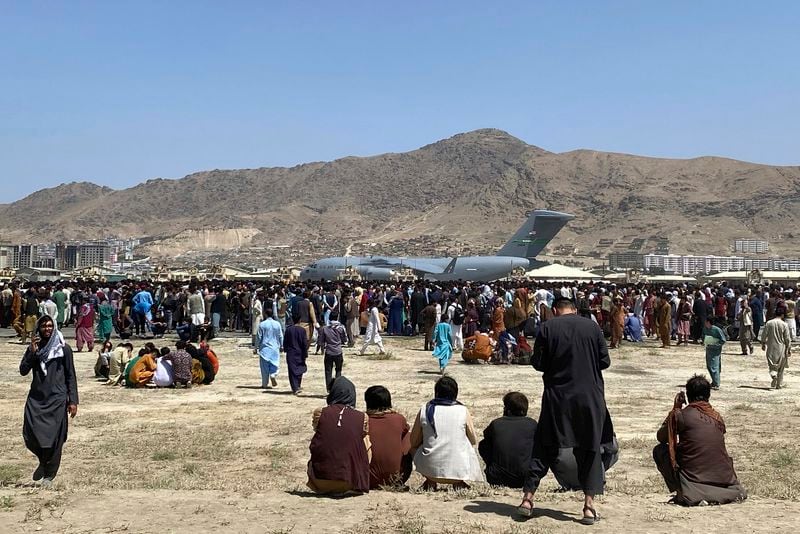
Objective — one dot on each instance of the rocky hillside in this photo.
(474, 186)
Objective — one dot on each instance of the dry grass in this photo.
(9, 474)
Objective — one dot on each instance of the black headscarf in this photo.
(342, 392)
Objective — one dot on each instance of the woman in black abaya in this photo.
(53, 395)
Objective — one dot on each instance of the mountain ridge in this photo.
(473, 186)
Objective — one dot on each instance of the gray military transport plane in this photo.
(540, 227)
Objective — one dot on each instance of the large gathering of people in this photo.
(574, 325)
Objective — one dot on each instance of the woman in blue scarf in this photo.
(442, 346)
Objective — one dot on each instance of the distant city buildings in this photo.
(625, 260)
(67, 256)
(750, 246)
(691, 265)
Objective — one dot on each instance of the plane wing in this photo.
(420, 266)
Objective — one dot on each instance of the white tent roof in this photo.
(669, 278)
(766, 275)
(729, 275)
(560, 272)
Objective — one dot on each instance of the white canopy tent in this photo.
(666, 278)
(560, 272)
(772, 276)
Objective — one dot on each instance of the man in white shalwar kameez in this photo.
(373, 333)
(777, 341)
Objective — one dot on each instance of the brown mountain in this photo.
(474, 187)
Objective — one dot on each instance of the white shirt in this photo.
(163, 375)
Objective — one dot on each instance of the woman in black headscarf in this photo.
(340, 447)
(53, 395)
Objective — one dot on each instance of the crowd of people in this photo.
(182, 365)
(574, 325)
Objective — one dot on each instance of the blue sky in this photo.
(120, 92)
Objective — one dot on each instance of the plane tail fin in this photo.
(539, 229)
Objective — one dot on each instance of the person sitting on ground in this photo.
(141, 372)
(163, 376)
(181, 364)
(507, 447)
(211, 355)
(206, 366)
(340, 448)
(691, 454)
(478, 347)
(524, 351)
(443, 437)
(206, 330)
(101, 367)
(506, 349)
(633, 328)
(391, 462)
(116, 365)
(158, 325)
(184, 330)
(507, 443)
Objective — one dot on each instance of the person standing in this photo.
(664, 320)
(256, 314)
(777, 342)
(442, 345)
(53, 396)
(713, 338)
(351, 314)
(331, 338)
(418, 302)
(269, 341)
(745, 319)
(196, 311)
(757, 306)
(84, 326)
(105, 322)
(219, 311)
(455, 316)
(571, 353)
(295, 345)
(142, 305)
(61, 300)
(684, 320)
(616, 322)
(30, 309)
(373, 333)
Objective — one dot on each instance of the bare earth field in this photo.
(231, 458)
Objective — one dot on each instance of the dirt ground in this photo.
(230, 457)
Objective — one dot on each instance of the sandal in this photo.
(589, 520)
(524, 511)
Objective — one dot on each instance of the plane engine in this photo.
(377, 273)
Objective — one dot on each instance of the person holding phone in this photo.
(53, 396)
(691, 455)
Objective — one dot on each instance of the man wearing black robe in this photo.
(53, 395)
(571, 353)
(699, 314)
(418, 303)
